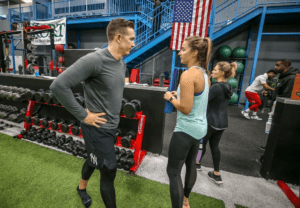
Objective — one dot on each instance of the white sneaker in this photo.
(245, 114)
(256, 118)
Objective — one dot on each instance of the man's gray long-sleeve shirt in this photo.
(103, 80)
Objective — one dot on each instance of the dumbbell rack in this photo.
(136, 144)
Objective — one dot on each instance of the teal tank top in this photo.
(195, 124)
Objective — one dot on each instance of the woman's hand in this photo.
(168, 95)
(174, 93)
(94, 119)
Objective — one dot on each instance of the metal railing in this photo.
(79, 8)
(231, 10)
(154, 23)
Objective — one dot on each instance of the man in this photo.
(252, 95)
(103, 75)
(285, 82)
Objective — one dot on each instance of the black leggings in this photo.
(213, 136)
(107, 188)
(183, 149)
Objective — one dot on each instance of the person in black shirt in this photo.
(217, 121)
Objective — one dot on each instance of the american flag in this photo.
(191, 18)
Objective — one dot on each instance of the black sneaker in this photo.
(215, 178)
(198, 166)
(262, 148)
(86, 199)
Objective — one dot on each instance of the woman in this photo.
(219, 97)
(191, 103)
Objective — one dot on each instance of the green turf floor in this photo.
(35, 176)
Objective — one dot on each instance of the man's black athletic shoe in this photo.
(215, 178)
(86, 199)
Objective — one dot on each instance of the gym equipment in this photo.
(234, 98)
(124, 101)
(233, 82)
(65, 127)
(48, 97)
(31, 57)
(54, 124)
(75, 130)
(45, 122)
(122, 152)
(239, 52)
(125, 141)
(129, 154)
(31, 47)
(240, 68)
(61, 60)
(225, 51)
(40, 94)
(30, 38)
(37, 120)
(30, 68)
(15, 117)
(59, 48)
(118, 133)
(79, 99)
(117, 150)
(56, 101)
(30, 95)
(130, 109)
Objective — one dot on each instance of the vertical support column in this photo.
(66, 37)
(212, 20)
(245, 66)
(78, 33)
(259, 35)
(12, 51)
(169, 106)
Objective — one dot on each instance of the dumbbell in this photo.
(56, 101)
(124, 101)
(31, 94)
(75, 130)
(55, 125)
(30, 68)
(31, 57)
(79, 98)
(130, 109)
(37, 120)
(45, 122)
(126, 163)
(48, 97)
(28, 119)
(122, 152)
(3, 114)
(65, 127)
(125, 141)
(30, 38)
(8, 95)
(19, 96)
(118, 133)
(15, 117)
(23, 111)
(31, 47)
(117, 150)
(40, 94)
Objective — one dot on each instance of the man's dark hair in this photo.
(118, 25)
(286, 61)
(272, 70)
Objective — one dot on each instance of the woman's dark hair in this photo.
(228, 68)
(203, 46)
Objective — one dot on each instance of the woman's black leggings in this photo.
(107, 188)
(183, 149)
(213, 136)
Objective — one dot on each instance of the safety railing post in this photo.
(237, 9)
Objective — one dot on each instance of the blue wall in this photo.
(42, 1)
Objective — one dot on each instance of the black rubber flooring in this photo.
(238, 145)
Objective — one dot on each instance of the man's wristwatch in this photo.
(171, 98)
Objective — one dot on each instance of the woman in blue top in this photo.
(191, 102)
